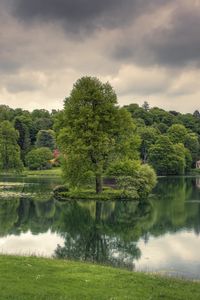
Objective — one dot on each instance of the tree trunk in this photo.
(99, 184)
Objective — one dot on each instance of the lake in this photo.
(159, 236)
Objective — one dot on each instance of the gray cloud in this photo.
(173, 44)
(84, 15)
(180, 44)
(144, 48)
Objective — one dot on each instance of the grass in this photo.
(25, 278)
(50, 172)
(90, 194)
(26, 172)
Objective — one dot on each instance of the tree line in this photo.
(26, 138)
(170, 141)
(92, 131)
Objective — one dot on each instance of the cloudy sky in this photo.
(148, 50)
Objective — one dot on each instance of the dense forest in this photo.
(169, 141)
(166, 137)
(26, 138)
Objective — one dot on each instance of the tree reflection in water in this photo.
(109, 236)
(103, 232)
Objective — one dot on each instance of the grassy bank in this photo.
(108, 194)
(26, 172)
(37, 278)
(51, 172)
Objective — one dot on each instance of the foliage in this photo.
(126, 167)
(180, 128)
(192, 144)
(148, 136)
(24, 141)
(167, 158)
(95, 131)
(132, 176)
(95, 112)
(76, 173)
(9, 149)
(46, 138)
(177, 133)
(39, 159)
(106, 195)
(185, 154)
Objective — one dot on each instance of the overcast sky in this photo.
(148, 50)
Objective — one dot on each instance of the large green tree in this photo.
(95, 130)
(9, 148)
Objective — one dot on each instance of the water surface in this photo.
(159, 236)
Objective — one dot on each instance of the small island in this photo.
(97, 138)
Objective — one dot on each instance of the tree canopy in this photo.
(95, 130)
(9, 149)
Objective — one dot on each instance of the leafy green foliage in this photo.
(24, 141)
(126, 167)
(46, 138)
(192, 144)
(166, 158)
(177, 133)
(9, 149)
(39, 159)
(180, 129)
(106, 195)
(95, 131)
(132, 176)
(148, 136)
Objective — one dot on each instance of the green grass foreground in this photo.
(25, 278)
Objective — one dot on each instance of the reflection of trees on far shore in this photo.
(105, 232)
(177, 205)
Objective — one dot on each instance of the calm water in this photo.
(162, 236)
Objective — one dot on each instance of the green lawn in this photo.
(38, 278)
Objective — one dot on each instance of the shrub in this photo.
(39, 159)
(132, 176)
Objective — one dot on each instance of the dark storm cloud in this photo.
(174, 45)
(143, 47)
(180, 44)
(84, 14)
